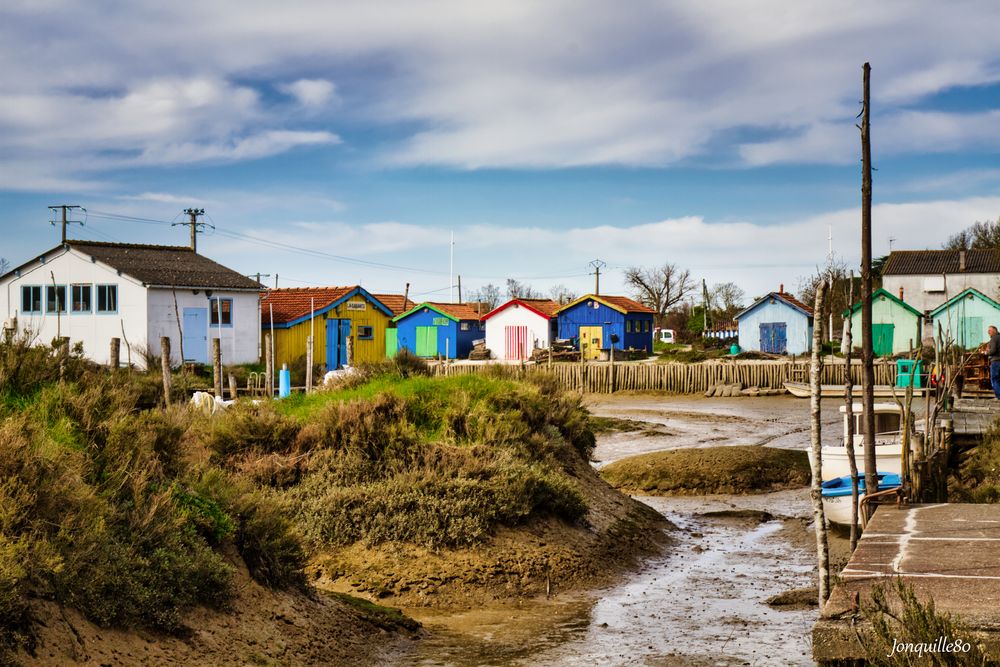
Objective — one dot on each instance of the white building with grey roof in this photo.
(91, 292)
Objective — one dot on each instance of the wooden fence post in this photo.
(232, 387)
(268, 365)
(116, 353)
(309, 364)
(217, 365)
(165, 368)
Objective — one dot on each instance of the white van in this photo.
(666, 335)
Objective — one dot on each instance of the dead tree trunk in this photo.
(867, 352)
(165, 368)
(116, 353)
(815, 451)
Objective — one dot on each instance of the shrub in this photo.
(898, 616)
(248, 427)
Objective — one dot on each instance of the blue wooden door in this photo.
(773, 337)
(337, 333)
(345, 333)
(196, 335)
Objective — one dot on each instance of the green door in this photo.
(427, 341)
(971, 334)
(391, 343)
(882, 339)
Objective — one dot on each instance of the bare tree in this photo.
(726, 299)
(4, 265)
(561, 294)
(519, 290)
(981, 235)
(816, 450)
(659, 287)
(489, 295)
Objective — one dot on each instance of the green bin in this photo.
(905, 373)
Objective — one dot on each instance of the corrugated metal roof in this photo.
(782, 296)
(932, 262)
(295, 302)
(620, 303)
(461, 311)
(169, 266)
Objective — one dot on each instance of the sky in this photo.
(343, 142)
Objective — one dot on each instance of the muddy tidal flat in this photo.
(703, 600)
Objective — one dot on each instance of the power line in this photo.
(279, 245)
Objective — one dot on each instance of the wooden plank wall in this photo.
(673, 378)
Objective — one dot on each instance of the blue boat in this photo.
(837, 495)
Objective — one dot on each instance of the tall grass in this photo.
(104, 507)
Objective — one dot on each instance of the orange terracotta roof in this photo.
(295, 302)
(462, 311)
(547, 306)
(394, 302)
(795, 302)
(627, 304)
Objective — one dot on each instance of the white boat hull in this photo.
(838, 509)
(837, 464)
(803, 390)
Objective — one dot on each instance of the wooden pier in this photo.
(946, 552)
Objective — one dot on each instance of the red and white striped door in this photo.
(517, 342)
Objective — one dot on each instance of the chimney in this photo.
(781, 288)
(900, 293)
(961, 260)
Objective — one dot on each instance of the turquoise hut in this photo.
(895, 324)
(965, 317)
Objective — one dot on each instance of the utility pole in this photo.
(867, 353)
(597, 266)
(460, 288)
(704, 306)
(65, 208)
(829, 263)
(192, 222)
(257, 276)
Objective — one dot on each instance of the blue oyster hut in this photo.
(598, 323)
(777, 323)
(445, 330)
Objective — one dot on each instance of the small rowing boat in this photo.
(801, 390)
(837, 495)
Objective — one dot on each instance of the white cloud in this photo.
(759, 257)
(502, 83)
(311, 92)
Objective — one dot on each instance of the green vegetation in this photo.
(897, 616)
(102, 508)
(122, 509)
(743, 469)
(433, 461)
(978, 478)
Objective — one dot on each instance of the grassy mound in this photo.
(103, 508)
(710, 470)
(439, 462)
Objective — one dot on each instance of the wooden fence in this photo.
(603, 378)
